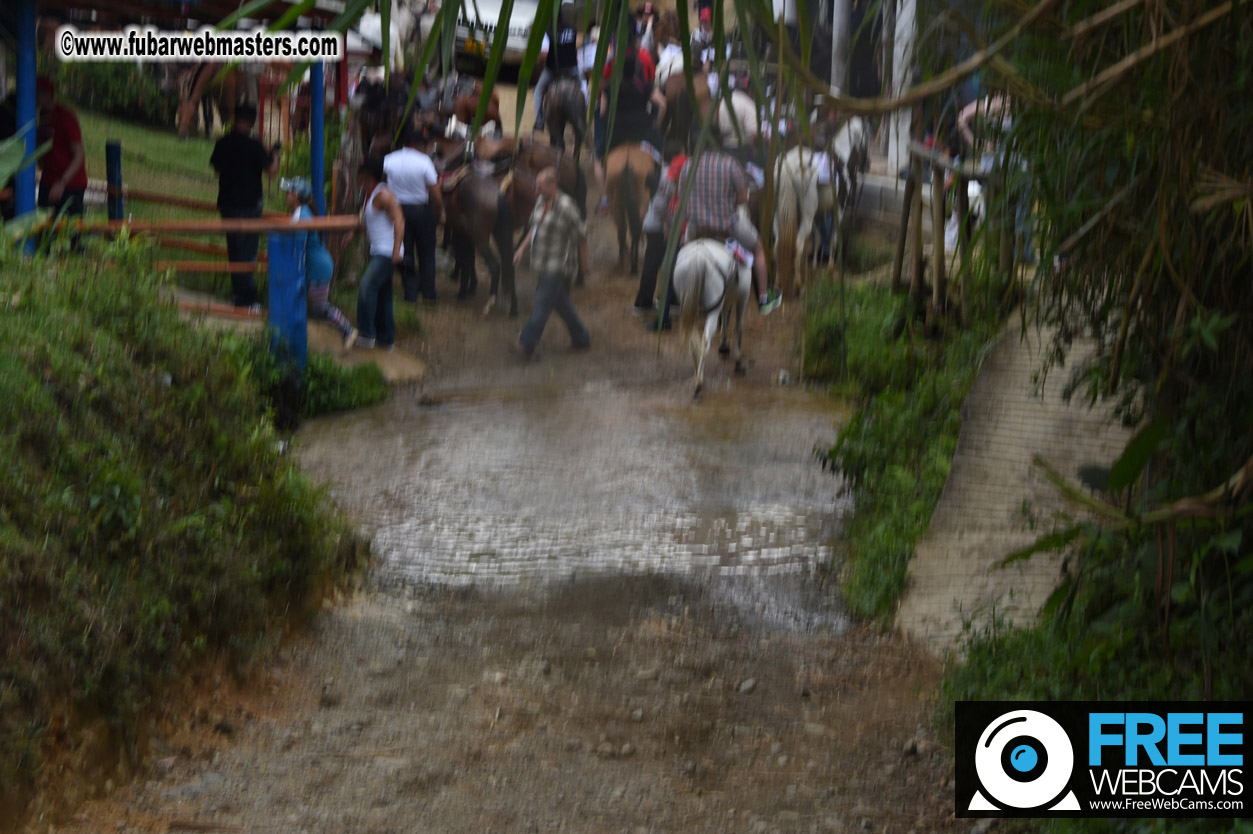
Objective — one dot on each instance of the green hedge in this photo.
(147, 516)
(896, 450)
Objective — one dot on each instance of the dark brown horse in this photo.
(478, 215)
(564, 105)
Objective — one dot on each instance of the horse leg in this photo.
(740, 307)
(706, 337)
(503, 235)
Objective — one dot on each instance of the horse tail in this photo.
(691, 301)
(785, 225)
(628, 197)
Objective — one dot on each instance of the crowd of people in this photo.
(402, 204)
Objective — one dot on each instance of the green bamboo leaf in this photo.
(619, 59)
(1229, 542)
(424, 59)
(598, 63)
(1136, 456)
(807, 41)
(352, 12)
(246, 10)
(1044, 544)
(543, 12)
(291, 15)
(493, 65)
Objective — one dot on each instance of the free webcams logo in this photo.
(1025, 762)
(1100, 759)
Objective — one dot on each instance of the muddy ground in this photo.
(632, 696)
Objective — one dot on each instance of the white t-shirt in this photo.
(409, 174)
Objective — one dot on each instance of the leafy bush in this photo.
(328, 387)
(896, 450)
(146, 514)
(119, 89)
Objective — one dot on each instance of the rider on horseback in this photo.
(633, 120)
(561, 60)
(720, 188)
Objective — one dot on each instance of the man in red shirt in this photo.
(64, 176)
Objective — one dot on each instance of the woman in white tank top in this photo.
(385, 232)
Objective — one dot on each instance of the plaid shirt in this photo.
(556, 232)
(711, 206)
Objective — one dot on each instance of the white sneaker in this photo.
(365, 344)
(351, 339)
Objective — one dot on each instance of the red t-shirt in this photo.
(647, 68)
(61, 127)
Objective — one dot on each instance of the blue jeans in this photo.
(552, 296)
(241, 247)
(417, 273)
(374, 302)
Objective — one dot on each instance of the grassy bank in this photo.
(896, 451)
(147, 518)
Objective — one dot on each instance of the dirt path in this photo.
(667, 661)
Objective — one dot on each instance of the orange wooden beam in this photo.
(206, 266)
(219, 226)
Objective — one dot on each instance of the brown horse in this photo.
(680, 114)
(461, 100)
(535, 157)
(564, 105)
(480, 214)
(198, 95)
(627, 170)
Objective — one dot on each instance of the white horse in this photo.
(711, 284)
(851, 147)
(796, 204)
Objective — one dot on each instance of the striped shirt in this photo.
(556, 229)
(711, 205)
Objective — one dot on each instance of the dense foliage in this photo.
(147, 516)
(1140, 176)
(895, 451)
(119, 89)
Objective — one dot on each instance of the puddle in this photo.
(518, 487)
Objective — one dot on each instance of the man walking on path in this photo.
(240, 160)
(557, 231)
(63, 180)
(412, 179)
(385, 232)
(720, 188)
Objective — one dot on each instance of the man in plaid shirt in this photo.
(720, 187)
(557, 231)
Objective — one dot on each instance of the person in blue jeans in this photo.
(319, 267)
(556, 236)
(385, 232)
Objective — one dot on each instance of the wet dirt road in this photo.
(595, 607)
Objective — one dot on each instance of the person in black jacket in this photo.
(240, 159)
(561, 60)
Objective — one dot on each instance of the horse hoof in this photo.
(740, 370)
(696, 394)
(724, 350)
